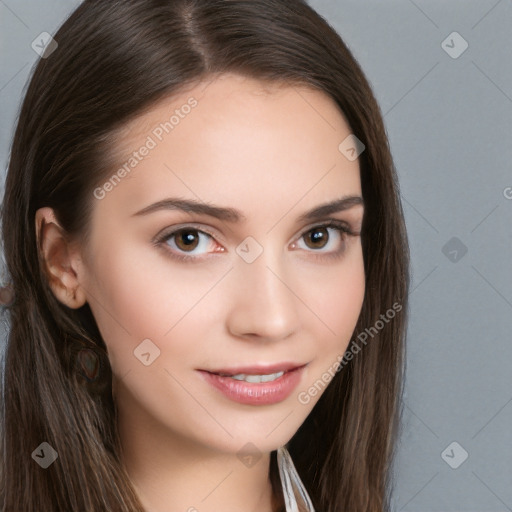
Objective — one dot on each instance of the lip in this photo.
(261, 393)
(261, 369)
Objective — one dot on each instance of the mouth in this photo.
(256, 385)
(257, 374)
(254, 379)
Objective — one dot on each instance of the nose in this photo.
(263, 304)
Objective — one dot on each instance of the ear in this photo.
(60, 259)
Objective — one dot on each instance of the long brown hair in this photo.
(113, 61)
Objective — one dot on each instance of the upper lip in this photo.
(262, 369)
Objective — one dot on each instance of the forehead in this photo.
(230, 99)
(238, 142)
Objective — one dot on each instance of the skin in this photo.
(272, 153)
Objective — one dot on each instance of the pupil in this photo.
(318, 235)
(187, 238)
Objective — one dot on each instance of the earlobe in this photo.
(58, 259)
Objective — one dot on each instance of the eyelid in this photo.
(328, 223)
(201, 227)
(167, 232)
(159, 241)
(343, 226)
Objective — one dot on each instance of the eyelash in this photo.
(340, 226)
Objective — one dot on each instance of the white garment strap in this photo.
(290, 480)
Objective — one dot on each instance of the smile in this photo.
(255, 389)
(255, 378)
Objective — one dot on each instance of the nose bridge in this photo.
(264, 304)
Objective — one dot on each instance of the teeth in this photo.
(256, 378)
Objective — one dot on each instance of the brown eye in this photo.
(186, 239)
(320, 242)
(187, 243)
(316, 238)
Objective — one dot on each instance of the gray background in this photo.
(449, 122)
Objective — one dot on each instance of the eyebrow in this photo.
(233, 215)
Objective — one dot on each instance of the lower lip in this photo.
(258, 393)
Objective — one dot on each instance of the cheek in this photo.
(136, 295)
(337, 302)
(336, 297)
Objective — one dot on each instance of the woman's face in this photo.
(262, 285)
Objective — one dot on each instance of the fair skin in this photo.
(271, 153)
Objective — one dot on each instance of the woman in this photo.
(260, 372)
